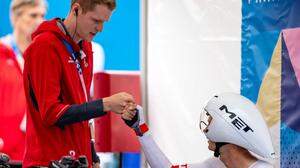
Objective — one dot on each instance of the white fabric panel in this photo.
(193, 53)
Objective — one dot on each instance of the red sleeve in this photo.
(44, 77)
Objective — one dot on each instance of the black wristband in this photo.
(132, 121)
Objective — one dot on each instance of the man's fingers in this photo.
(128, 114)
(120, 103)
(126, 96)
(123, 104)
(96, 165)
(211, 146)
(128, 104)
(132, 107)
(125, 118)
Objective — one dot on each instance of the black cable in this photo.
(75, 28)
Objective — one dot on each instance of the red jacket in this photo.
(51, 84)
(12, 105)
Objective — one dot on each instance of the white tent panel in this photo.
(193, 52)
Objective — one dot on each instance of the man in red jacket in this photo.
(25, 16)
(57, 79)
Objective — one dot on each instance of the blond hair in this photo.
(17, 6)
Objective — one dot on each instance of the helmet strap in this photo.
(218, 146)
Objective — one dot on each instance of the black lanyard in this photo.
(75, 57)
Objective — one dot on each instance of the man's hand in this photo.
(137, 123)
(216, 147)
(119, 103)
(96, 165)
(211, 145)
(129, 111)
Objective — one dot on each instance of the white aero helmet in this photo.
(232, 118)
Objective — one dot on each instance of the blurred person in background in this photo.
(25, 16)
(7, 62)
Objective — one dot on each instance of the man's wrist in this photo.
(106, 104)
